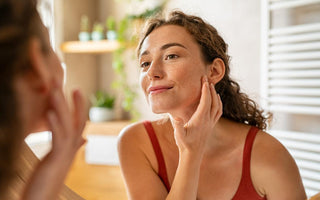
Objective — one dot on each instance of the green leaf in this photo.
(102, 99)
(111, 23)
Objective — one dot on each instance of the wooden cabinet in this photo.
(97, 182)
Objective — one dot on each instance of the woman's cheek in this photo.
(144, 84)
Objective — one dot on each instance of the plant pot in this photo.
(111, 35)
(84, 36)
(96, 35)
(100, 114)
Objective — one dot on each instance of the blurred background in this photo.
(275, 57)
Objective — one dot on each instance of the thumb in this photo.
(178, 126)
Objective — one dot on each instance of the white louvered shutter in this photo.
(291, 82)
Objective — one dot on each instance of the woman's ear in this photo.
(216, 70)
(39, 75)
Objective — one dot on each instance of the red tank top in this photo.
(246, 190)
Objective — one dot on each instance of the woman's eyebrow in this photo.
(144, 53)
(164, 47)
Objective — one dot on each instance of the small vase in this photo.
(96, 36)
(84, 36)
(99, 114)
(111, 35)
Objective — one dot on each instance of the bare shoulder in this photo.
(136, 133)
(132, 133)
(134, 140)
(131, 144)
(138, 163)
(269, 152)
(274, 170)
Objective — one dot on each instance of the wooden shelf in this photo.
(102, 46)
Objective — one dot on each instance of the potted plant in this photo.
(111, 28)
(102, 107)
(84, 34)
(97, 31)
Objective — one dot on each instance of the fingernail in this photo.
(206, 79)
(212, 86)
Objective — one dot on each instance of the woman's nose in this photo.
(155, 70)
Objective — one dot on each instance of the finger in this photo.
(205, 101)
(83, 141)
(54, 125)
(220, 111)
(80, 142)
(60, 107)
(79, 110)
(179, 130)
(215, 101)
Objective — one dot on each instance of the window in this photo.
(45, 8)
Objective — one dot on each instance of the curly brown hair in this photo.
(237, 106)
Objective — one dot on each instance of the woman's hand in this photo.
(191, 138)
(192, 135)
(66, 125)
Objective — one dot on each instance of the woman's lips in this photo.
(158, 89)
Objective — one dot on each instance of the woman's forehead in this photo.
(168, 34)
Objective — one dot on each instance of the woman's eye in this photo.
(171, 56)
(144, 64)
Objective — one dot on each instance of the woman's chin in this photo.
(158, 110)
(164, 108)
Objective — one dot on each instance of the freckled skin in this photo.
(179, 66)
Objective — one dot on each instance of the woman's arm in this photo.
(67, 126)
(275, 171)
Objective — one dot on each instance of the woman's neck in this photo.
(183, 114)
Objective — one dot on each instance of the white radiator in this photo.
(305, 148)
(291, 62)
(293, 69)
(290, 73)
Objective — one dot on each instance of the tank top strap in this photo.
(247, 152)
(162, 171)
(246, 189)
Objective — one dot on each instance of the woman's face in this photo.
(52, 66)
(171, 69)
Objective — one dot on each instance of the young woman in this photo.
(213, 146)
(31, 99)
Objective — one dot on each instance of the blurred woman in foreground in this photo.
(31, 99)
